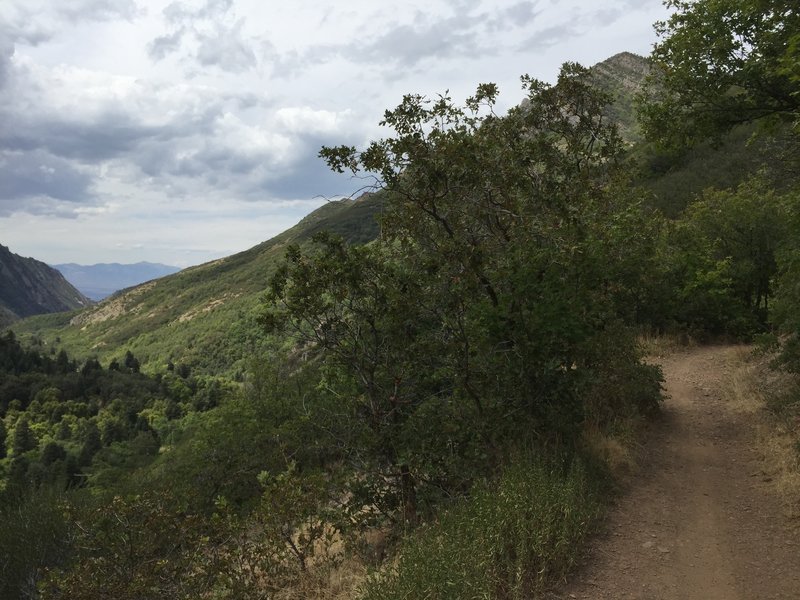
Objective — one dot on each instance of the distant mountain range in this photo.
(30, 287)
(101, 280)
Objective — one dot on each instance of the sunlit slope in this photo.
(203, 316)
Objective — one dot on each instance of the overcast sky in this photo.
(183, 131)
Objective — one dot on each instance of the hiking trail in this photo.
(699, 520)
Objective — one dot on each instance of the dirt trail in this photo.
(699, 522)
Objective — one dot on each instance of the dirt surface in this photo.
(699, 520)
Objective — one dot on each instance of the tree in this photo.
(92, 442)
(3, 436)
(131, 362)
(24, 439)
(479, 315)
(362, 310)
(721, 63)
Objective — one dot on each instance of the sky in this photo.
(181, 131)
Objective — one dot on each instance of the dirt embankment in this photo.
(700, 520)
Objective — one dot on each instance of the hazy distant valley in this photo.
(101, 280)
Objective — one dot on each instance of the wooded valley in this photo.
(407, 394)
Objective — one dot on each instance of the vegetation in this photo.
(203, 317)
(423, 402)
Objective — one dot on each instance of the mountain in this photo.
(101, 280)
(204, 316)
(622, 76)
(30, 287)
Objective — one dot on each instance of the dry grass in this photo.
(343, 577)
(616, 451)
(663, 345)
(757, 390)
(341, 582)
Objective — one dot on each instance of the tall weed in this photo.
(507, 541)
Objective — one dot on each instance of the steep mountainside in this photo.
(101, 280)
(30, 287)
(203, 316)
(622, 76)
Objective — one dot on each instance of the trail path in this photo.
(700, 521)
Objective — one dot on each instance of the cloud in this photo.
(6, 54)
(405, 46)
(39, 182)
(98, 10)
(550, 36)
(580, 23)
(36, 21)
(303, 120)
(211, 35)
(225, 48)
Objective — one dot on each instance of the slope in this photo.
(622, 76)
(203, 317)
(101, 280)
(30, 287)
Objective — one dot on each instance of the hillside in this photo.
(622, 76)
(101, 280)
(202, 316)
(30, 287)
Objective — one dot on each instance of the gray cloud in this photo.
(550, 36)
(212, 28)
(308, 177)
(37, 21)
(520, 14)
(165, 45)
(32, 181)
(6, 53)
(405, 46)
(98, 10)
(226, 49)
(104, 136)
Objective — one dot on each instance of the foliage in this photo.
(509, 539)
(787, 305)
(33, 536)
(508, 256)
(720, 260)
(721, 63)
(142, 549)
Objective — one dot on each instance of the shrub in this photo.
(507, 541)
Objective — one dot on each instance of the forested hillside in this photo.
(430, 412)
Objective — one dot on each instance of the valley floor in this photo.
(701, 520)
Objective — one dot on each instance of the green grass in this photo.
(509, 541)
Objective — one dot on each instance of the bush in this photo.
(508, 541)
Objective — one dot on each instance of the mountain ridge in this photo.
(30, 287)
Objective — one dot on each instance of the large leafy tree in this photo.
(720, 63)
(485, 311)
